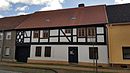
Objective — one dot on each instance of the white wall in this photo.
(64, 39)
(74, 39)
(81, 40)
(60, 53)
(57, 53)
(26, 40)
(53, 32)
(43, 40)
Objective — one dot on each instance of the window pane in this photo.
(8, 35)
(93, 52)
(100, 38)
(81, 32)
(7, 51)
(67, 30)
(47, 51)
(27, 34)
(100, 30)
(1, 35)
(35, 34)
(45, 34)
(91, 32)
(38, 52)
(126, 52)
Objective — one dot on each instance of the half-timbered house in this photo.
(75, 35)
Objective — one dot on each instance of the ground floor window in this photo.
(7, 51)
(93, 52)
(38, 51)
(47, 51)
(126, 52)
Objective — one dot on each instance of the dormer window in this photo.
(73, 18)
(48, 20)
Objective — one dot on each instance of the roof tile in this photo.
(9, 23)
(59, 18)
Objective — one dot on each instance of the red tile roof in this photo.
(66, 17)
(9, 23)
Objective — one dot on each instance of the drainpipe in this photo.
(108, 42)
(2, 45)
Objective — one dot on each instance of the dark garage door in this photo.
(22, 53)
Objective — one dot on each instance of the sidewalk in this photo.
(65, 67)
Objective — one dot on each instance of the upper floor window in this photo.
(91, 32)
(45, 34)
(8, 35)
(1, 35)
(27, 34)
(100, 30)
(81, 32)
(67, 30)
(35, 34)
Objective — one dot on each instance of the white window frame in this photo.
(7, 51)
(7, 35)
(1, 34)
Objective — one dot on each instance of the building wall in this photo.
(119, 36)
(60, 53)
(59, 41)
(8, 44)
(1, 41)
(59, 36)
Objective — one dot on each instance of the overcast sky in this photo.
(22, 7)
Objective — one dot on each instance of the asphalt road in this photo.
(8, 69)
(4, 71)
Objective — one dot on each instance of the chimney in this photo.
(81, 5)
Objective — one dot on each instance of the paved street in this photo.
(8, 69)
(4, 71)
(40, 68)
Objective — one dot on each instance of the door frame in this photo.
(73, 56)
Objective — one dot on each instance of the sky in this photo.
(22, 7)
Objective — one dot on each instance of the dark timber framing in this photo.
(70, 41)
(65, 35)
